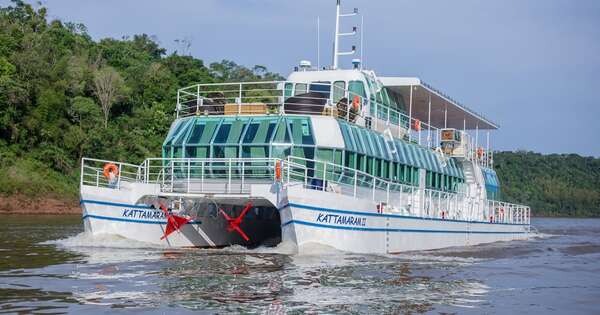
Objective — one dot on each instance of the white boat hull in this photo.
(307, 216)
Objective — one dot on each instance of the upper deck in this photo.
(402, 108)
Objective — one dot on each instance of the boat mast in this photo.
(337, 31)
(336, 52)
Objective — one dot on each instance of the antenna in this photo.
(336, 52)
(318, 43)
(362, 30)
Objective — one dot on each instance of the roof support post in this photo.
(410, 102)
(476, 139)
(487, 150)
(446, 116)
(429, 121)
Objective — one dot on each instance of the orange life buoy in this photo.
(356, 102)
(417, 125)
(110, 168)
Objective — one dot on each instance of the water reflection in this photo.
(82, 273)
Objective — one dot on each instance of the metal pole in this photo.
(446, 117)
(355, 182)
(229, 178)
(318, 43)
(202, 176)
(361, 41)
(429, 122)
(477, 141)
(335, 40)
(487, 149)
(410, 102)
(324, 175)
(188, 176)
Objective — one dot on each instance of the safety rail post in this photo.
(229, 178)
(288, 171)
(198, 99)
(355, 182)
(119, 178)
(306, 177)
(387, 197)
(178, 107)
(81, 172)
(97, 178)
(439, 203)
(324, 175)
(280, 107)
(172, 175)
(239, 101)
(202, 176)
(242, 177)
(188, 175)
(373, 179)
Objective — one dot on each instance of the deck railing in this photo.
(236, 176)
(282, 97)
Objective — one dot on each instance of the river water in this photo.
(47, 265)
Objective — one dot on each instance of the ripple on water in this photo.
(112, 271)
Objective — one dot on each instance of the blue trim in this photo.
(363, 229)
(114, 204)
(100, 217)
(313, 208)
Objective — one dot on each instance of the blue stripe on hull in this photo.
(314, 208)
(363, 229)
(114, 204)
(93, 216)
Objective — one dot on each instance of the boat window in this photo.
(325, 155)
(259, 131)
(222, 133)
(321, 87)
(288, 89)
(301, 88)
(348, 139)
(339, 88)
(282, 135)
(301, 131)
(357, 88)
(196, 133)
(350, 159)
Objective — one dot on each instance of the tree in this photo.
(108, 87)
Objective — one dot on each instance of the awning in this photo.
(445, 112)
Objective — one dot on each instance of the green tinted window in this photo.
(301, 88)
(339, 88)
(357, 88)
(301, 130)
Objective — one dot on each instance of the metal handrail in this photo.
(235, 175)
(269, 97)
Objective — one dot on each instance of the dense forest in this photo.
(553, 185)
(64, 96)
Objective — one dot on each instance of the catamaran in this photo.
(330, 156)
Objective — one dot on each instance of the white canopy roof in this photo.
(445, 112)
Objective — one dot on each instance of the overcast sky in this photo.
(533, 67)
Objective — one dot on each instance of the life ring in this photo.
(355, 103)
(110, 168)
(480, 152)
(417, 125)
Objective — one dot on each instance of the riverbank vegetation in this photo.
(64, 96)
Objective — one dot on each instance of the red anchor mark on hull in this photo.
(233, 224)
(174, 222)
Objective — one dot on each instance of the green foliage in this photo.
(50, 115)
(50, 109)
(553, 185)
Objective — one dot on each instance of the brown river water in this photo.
(48, 266)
